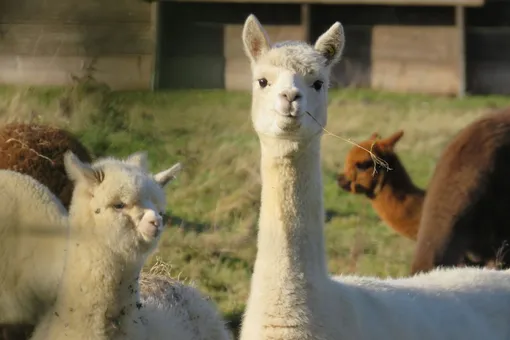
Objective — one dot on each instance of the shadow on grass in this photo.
(234, 319)
(188, 226)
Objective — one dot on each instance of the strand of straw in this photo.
(375, 159)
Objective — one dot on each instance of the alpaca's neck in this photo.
(99, 289)
(291, 253)
(399, 202)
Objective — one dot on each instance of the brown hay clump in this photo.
(37, 150)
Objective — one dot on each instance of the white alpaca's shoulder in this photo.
(28, 195)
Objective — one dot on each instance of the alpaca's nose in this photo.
(156, 221)
(153, 218)
(290, 94)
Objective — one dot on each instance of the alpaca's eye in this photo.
(364, 165)
(317, 85)
(119, 206)
(262, 82)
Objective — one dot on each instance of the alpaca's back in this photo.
(33, 230)
(466, 207)
(193, 317)
(452, 303)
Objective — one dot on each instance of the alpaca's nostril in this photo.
(291, 95)
(155, 222)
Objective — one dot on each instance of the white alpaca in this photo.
(292, 296)
(33, 233)
(115, 222)
(165, 298)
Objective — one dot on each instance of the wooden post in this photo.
(461, 40)
(156, 36)
(305, 21)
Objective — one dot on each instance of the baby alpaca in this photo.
(115, 223)
(466, 205)
(394, 196)
(164, 298)
(292, 296)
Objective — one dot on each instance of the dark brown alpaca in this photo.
(393, 195)
(37, 150)
(467, 210)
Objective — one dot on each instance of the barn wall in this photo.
(404, 49)
(210, 53)
(415, 59)
(44, 42)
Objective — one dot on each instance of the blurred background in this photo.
(171, 77)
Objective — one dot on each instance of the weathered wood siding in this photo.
(210, 54)
(404, 49)
(415, 59)
(44, 42)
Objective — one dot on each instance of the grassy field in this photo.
(214, 203)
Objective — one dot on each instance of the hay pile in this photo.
(37, 150)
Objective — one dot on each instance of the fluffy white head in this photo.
(119, 201)
(289, 79)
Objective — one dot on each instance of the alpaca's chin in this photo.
(151, 235)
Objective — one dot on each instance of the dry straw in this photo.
(377, 160)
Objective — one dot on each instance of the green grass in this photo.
(214, 203)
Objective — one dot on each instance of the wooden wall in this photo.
(396, 48)
(44, 42)
(415, 59)
(210, 54)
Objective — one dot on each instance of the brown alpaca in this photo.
(393, 195)
(37, 150)
(466, 210)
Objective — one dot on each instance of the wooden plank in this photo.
(461, 63)
(470, 3)
(489, 77)
(413, 76)
(415, 43)
(415, 59)
(238, 74)
(306, 22)
(156, 41)
(237, 66)
(120, 72)
(76, 40)
(74, 11)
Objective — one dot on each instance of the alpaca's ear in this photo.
(375, 136)
(390, 141)
(331, 43)
(79, 171)
(138, 159)
(168, 175)
(255, 39)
